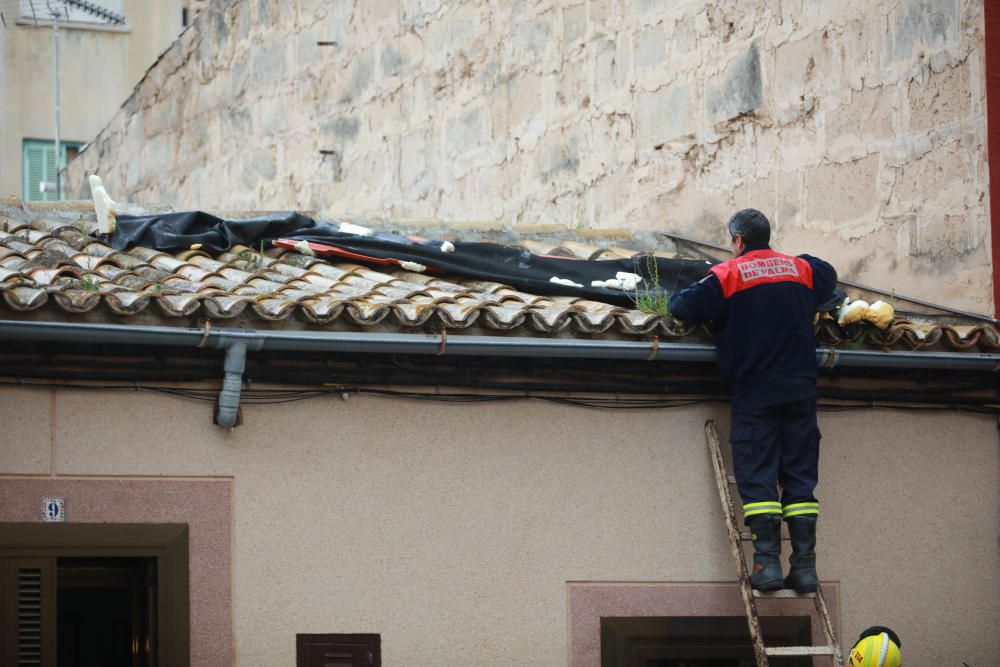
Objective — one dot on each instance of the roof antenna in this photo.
(59, 10)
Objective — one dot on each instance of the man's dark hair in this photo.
(752, 225)
(876, 630)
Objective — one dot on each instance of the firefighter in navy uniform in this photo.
(762, 305)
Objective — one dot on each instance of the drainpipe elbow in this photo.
(227, 413)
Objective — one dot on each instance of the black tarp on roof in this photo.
(512, 265)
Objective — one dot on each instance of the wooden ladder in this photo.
(761, 652)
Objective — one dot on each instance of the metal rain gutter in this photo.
(237, 342)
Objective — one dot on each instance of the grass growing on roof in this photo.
(649, 296)
(253, 257)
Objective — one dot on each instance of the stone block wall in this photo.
(857, 127)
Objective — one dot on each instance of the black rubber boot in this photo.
(802, 575)
(766, 534)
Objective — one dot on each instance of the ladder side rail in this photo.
(831, 636)
(753, 619)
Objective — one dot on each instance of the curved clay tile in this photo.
(321, 282)
(72, 236)
(263, 286)
(335, 271)
(52, 276)
(55, 245)
(224, 284)
(23, 298)
(398, 293)
(236, 275)
(47, 225)
(504, 318)
(123, 259)
(167, 263)
(11, 276)
(273, 309)
(87, 262)
(411, 314)
(77, 300)
(206, 262)
(34, 236)
(551, 319)
(988, 339)
(102, 250)
(595, 322)
(191, 272)
(457, 316)
(179, 305)
(286, 270)
(127, 303)
(145, 254)
(486, 286)
(323, 309)
(361, 312)
(20, 246)
(638, 322)
(222, 306)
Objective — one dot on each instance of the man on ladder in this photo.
(762, 304)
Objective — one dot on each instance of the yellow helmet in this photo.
(877, 647)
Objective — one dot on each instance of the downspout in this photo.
(227, 413)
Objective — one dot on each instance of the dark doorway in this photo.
(697, 641)
(94, 595)
(106, 612)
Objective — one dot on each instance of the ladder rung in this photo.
(782, 593)
(731, 479)
(799, 650)
(745, 536)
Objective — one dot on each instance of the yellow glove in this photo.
(880, 314)
(852, 311)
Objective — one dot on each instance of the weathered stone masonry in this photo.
(858, 126)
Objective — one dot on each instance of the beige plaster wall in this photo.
(858, 127)
(453, 530)
(99, 66)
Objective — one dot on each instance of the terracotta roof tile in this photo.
(50, 265)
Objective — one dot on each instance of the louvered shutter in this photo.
(39, 166)
(338, 650)
(28, 613)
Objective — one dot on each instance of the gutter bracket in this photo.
(830, 357)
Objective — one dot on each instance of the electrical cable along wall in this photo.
(591, 382)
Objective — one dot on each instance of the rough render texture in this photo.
(857, 126)
(452, 530)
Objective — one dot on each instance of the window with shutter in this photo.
(40, 166)
(338, 650)
(28, 593)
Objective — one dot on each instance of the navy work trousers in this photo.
(776, 445)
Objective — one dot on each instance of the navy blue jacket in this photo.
(762, 304)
